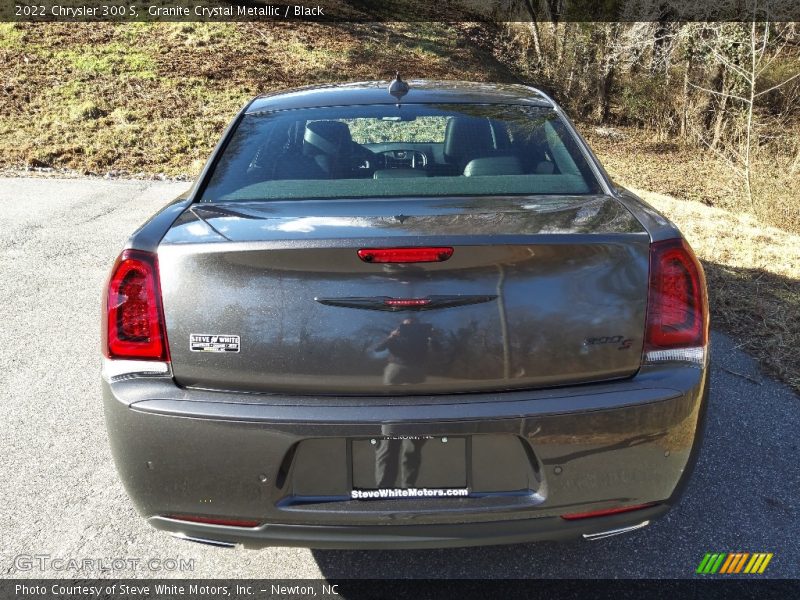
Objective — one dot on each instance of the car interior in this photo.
(471, 146)
(381, 151)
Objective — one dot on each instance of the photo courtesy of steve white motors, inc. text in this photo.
(193, 590)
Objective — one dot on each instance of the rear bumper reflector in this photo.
(226, 522)
(605, 512)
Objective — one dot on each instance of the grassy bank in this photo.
(155, 97)
(685, 171)
(753, 269)
(753, 275)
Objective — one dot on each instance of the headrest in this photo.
(495, 165)
(329, 137)
(467, 136)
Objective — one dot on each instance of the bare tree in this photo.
(743, 53)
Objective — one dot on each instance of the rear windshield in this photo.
(406, 150)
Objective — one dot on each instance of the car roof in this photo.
(421, 91)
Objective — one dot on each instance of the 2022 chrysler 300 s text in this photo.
(410, 319)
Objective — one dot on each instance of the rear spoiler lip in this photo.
(453, 240)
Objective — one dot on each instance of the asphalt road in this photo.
(60, 495)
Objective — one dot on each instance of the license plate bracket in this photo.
(409, 462)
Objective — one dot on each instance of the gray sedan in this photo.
(419, 316)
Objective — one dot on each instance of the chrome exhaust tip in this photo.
(197, 540)
(612, 532)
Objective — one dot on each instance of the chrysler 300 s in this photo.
(409, 317)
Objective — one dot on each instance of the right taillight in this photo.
(133, 320)
(677, 307)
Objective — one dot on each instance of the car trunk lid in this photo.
(537, 292)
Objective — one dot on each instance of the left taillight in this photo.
(133, 318)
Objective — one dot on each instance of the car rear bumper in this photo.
(401, 537)
(285, 462)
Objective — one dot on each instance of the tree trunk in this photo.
(685, 98)
(657, 57)
(719, 119)
(564, 40)
(604, 94)
(571, 79)
(541, 59)
(749, 131)
(559, 42)
(537, 47)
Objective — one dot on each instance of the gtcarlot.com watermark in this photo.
(48, 562)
